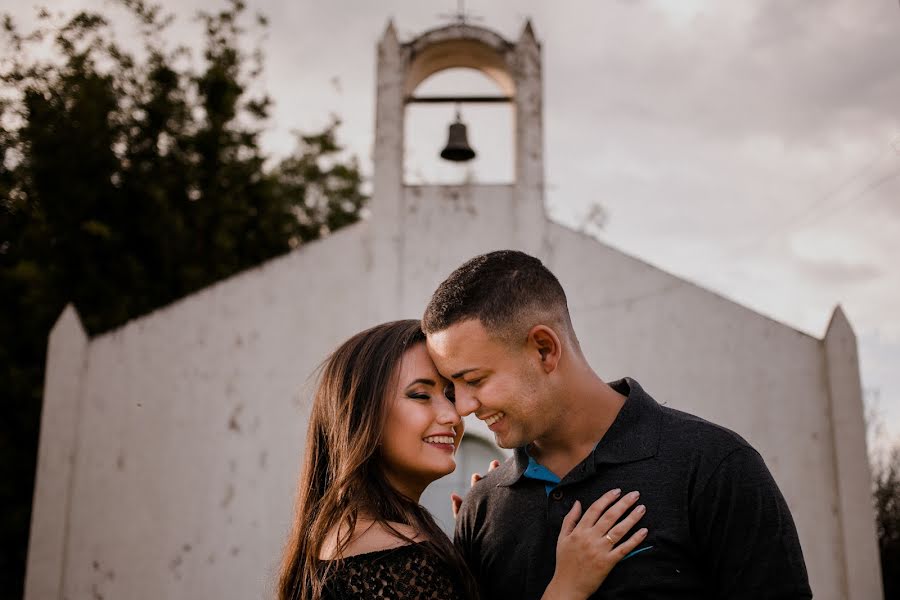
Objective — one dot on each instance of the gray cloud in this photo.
(837, 272)
(703, 138)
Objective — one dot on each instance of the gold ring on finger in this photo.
(611, 541)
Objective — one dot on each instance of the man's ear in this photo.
(546, 343)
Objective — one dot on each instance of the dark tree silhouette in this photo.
(887, 518)
(129, 179)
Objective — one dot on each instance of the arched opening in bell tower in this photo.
(505, 185)
(490, 130)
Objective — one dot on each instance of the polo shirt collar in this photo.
(512, 471)
(634, 434)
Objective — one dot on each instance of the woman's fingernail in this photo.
(641, 508)
(616, 492)
(642, 531)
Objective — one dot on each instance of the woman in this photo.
(382, 427)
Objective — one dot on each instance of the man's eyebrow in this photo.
(421, 380)
(463, 372)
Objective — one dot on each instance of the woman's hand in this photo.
(589, 546)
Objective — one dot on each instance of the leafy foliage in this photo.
(887, 516)
(129, 179)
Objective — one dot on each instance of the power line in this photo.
(872, 186)
(815, 208)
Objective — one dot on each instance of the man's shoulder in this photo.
(494, 507)
(704, 448)
(679, 431)
(490, 486)
(679, 428)
(709, 452)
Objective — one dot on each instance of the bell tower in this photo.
(472, 217)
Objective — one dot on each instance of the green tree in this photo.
(128, 179)
(887, 519)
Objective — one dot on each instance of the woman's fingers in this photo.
(584, 553)
(615, 512)
(599, 508)
(455, 503)
(625, 525)
(571, 519)
(476, 477)
(626, 547)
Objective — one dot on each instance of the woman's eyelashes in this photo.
(427, 394)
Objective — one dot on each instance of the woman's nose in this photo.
(448, 414)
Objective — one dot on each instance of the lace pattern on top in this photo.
(404, 573)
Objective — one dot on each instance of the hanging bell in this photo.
(457, 149)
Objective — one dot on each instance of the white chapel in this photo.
(170, 448)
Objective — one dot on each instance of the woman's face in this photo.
(422, 428)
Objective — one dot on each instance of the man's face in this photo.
(502, 384)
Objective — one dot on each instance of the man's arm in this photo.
(464, 537)
(745, 533)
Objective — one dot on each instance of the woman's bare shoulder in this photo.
(370, 536)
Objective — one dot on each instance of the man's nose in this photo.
(466, 404)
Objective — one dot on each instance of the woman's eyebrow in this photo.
(421, 380)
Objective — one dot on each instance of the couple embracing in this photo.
(608, 494)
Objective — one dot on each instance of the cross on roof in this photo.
(460, 16)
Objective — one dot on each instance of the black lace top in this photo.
(402, 573)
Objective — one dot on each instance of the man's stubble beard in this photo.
(528, 420)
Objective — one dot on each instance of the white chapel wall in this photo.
(192, 418)
(191, 430)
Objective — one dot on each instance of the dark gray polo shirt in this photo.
(718, 525)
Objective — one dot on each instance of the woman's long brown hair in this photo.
(342, 475)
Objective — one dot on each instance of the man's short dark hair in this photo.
(507, 290)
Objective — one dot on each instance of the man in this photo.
(499, 329)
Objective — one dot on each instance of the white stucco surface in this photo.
(191, 430)
(171, 448)
(60, 424)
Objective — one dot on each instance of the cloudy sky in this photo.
(750, 146)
